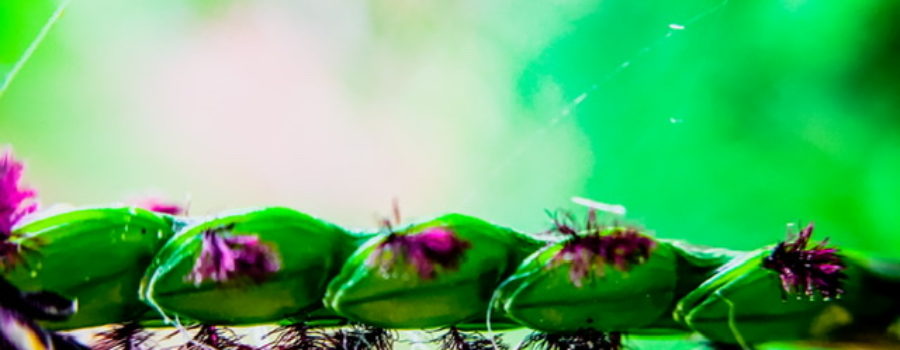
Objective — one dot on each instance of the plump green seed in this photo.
(541, 295)
(93, 256)
(307, 253)
(745, 304)
(403, 295)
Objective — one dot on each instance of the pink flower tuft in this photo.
(592, 249)
(621, 248)
(159, 206)
(15, 201)
(227, 257)
(434, 246)
(807, 270)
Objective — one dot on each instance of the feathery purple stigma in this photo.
(434, 246)
(160, 206)
(807, 270)
(225, 257)
(15, 201)
(594, 249)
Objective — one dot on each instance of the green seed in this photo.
(744, 304)
(306, 253)
(435, 274)
(541, 295)
(93, 256)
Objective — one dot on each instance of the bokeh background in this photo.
(713, 121)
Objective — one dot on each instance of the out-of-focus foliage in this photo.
(753, 115)
(22, 26)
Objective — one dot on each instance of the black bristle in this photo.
(456, 340)
(217, 338)
(127, 336)
(585, 339)
(360, 337)
(297, 336)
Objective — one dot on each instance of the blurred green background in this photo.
(713, 121)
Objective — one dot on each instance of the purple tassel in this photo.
(807, 270)
(435, 246)
(15, 201)
(593, 249)
(225, 257)
(159, 206)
